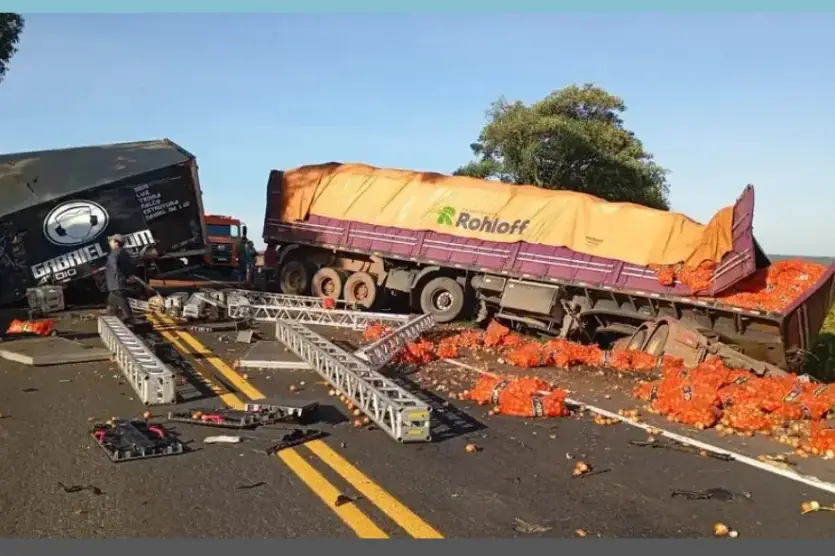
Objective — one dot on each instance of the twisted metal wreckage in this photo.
(356, 375)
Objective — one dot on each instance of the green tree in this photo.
(11, 26)
(573, 139)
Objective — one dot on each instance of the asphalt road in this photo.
(522, 472)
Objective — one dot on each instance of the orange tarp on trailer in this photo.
(501, 212)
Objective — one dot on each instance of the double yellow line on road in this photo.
(349, 513)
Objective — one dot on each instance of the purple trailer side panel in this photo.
(804, 318)
(540, 262)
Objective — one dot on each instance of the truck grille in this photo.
(221, 253)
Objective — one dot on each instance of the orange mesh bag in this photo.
(746, 415)
(417, 353)
(375, 331)
(776, 287)
(447, 348)
(494, 334)
(487, 390)
(529, 355)
(36, 327)
(535, 405)
(818, 400)
(822, 437)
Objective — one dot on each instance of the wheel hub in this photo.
(443, 300)
(328, 287)
(360, 291)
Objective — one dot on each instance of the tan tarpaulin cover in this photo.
(428, 201)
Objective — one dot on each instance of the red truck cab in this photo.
(224, 236)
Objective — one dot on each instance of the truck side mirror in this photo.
(243, 228)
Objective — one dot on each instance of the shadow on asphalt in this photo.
(190, 386)
(449, 421)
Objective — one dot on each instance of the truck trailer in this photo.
(561, 262)
(58, 207)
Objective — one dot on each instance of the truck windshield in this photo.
(222, 230)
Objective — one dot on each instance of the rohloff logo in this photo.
(445, 216)
(75, 222)
(448, 216)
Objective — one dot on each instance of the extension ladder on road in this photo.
(249, 297)
(399, 413)
(339, 318)
(150, 378)
(378, 354)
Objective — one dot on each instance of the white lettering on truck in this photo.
(63, 267)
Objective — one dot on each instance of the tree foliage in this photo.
(11, 26)
(573, 139)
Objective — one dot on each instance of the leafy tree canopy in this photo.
(11, 26)
(573, 139)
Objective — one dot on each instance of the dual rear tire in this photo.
(442, 297)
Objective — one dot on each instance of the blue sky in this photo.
(721, 100)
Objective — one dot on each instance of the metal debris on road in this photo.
(678, 447)
(721, 494)
(250, 486)
(522, 526)
(79, 488)
(124, 440)
(294, 438)
(342, 499)
(222, 439)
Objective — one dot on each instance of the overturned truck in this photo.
(58, 207)
(562, 262)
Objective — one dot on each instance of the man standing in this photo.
(251, 256)
(118, 270)
(242, 258)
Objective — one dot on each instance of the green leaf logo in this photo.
(445, 216)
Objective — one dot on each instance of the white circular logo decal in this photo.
(75, 222)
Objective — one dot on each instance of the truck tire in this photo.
(361, 289)
(328, 282)
(658, 341)
(294, 278)
(443, 298)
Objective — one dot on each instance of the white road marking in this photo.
(808, 480)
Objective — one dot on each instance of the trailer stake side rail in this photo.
(379, 353)
(338, 318)
(151, 379)
(124, 440)
(399, 413)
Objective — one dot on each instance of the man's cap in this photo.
(117, 237)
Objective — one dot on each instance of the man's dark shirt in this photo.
(118, 269)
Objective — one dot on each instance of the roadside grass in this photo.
(822, 363)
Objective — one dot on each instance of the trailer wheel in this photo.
(361, 289)
(658, 341)
(294, 278)
(328, 282)
(443, 298)
(636, 342)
